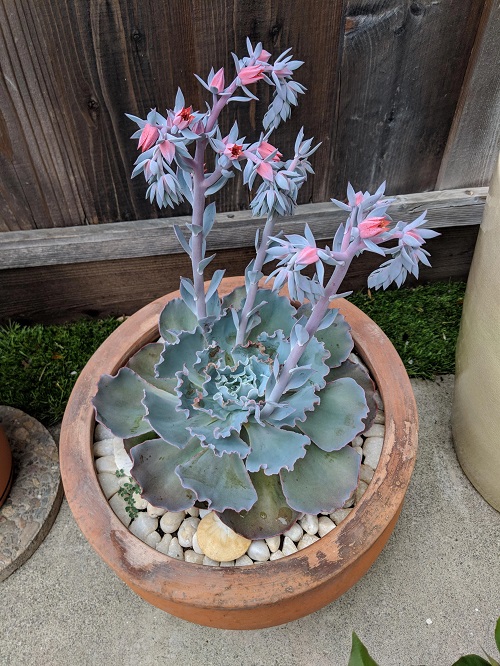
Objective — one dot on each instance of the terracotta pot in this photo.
(6, 470)
(243, 597)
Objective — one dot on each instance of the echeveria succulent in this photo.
(249, 405)
(190, 412)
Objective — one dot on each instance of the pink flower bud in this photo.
(264, 56)
(359, 198)
(373, 226)
(218, 80)
(250, 74)
(148, 137)
(266, 171)
(265, 149)
(308, 255)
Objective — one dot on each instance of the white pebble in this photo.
(339, 515)
(227, 564)
(325, 525)
(204, 512)
(171, 521)
(209, 562)
(277, 555)
(378, 401)
(428, 621)
(193, 511)
(377, 430)
(288, 546)
(366, 473)
(154, 511)
(101, 432)
(106, 464)
(195, 545)
(194, 558)
(118, 504)
(294, 533)
(122, 459)
(243, 561)
(307, 540)
(359, 450)
(358, 441)
(273, 543)
(309, 524)
(175, 549)
(153, 539)
(187, 531)
(143, 525)
(139, 503)
(361, 490)
(372, 449)
(104, 447)
(164, 544)
(350, 502)
(109, 483)
(379, 417)
(258, 551)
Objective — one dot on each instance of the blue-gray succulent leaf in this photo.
(272, 448)
(175, 318)
(269, 516)
(143, 363)
(360, 375)
(164, 418)
(223, 331)
(130, 442)
(182, 353)
(321, 481)
(234, 299)
(221, 481)
(338, 417)
(299, 403)
(337, 340)
(155, 462)
(230, 444)
(276, 345)
(299, 376)
(118, 403)
(316, 356)
(223, 421)
(277, 314)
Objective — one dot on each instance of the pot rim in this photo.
(148, 571)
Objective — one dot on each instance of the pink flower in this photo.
(148, 137)
(359, 198)
(266, 171)
(250, 74)
(183, 117)
(264, 55)
(167, 149)
(218, 80)
(233, 151)
(308, 255)
(265, 149)
(373, 226)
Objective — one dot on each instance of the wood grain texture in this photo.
(383, 81)
(402, 69)
(146, 238)
(66, 292)
(474, 141)
(253, 597)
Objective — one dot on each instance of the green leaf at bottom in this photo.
(359, 654)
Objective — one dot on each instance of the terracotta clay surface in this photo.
(245, 597)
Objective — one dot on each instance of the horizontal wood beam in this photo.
(154, 238)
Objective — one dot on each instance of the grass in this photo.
(40, 364)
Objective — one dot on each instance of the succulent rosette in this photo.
(190, 411)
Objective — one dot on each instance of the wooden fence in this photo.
(403, 90)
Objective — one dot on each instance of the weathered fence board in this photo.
(474, 140)
(146, 238)
(40, 284)
(383, 78)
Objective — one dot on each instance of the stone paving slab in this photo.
(65, 607)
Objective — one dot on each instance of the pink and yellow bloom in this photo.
(373, 226)
(251, 74)
(233, 151)
(148, 138)
(183, 117)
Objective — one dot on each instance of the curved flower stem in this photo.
(252, 291)
(317, 314)
(197, 233)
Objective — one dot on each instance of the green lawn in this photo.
(39, 364)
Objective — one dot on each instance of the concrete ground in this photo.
(433, 594)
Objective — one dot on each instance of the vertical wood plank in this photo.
(474, 141)
(402, 68)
